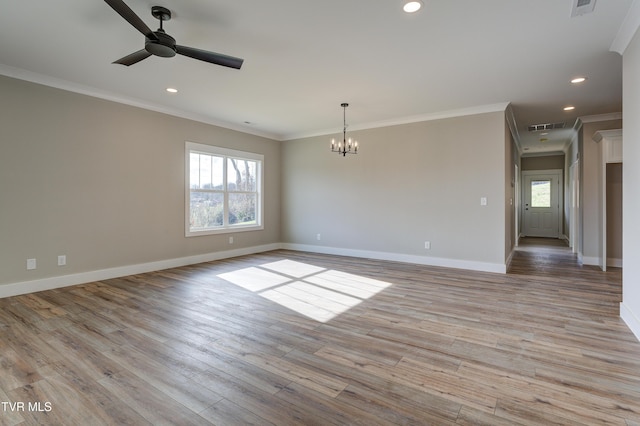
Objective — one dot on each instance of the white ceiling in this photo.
(303, 59)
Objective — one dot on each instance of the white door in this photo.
(541, 204)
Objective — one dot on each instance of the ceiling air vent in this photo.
(581, 7)
(546, 126)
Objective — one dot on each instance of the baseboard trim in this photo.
(398, 257)
(24, 287)
(614, 262)
(632, 321)
(509, 259)
(588, 260)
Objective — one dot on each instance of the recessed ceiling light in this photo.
(412, 6)
(569, 108)
(544, 134)
(172, 90)
(578, 80)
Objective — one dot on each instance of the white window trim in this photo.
(225, 152)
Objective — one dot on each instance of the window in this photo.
(540, 193)
(223, 190)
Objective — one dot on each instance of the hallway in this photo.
(552, 258)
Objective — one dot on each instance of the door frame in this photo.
(574, 207)
(611, 152)
(558, 174)
(516, 225)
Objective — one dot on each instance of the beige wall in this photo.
(630, 308)
(103, 183)
(548, 162)
(409, 184)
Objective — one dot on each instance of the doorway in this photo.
(542, 196)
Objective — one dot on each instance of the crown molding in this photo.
(480, 109)
(68, 86)
(615, 134)
(62, 84)
(601, 117)
(628, 29)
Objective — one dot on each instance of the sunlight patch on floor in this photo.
(318, 293)
(254, 279)
(292, 268)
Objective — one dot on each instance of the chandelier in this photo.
(347, 146)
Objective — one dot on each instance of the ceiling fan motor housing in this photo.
(164, 47)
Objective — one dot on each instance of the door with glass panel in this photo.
(541, 205)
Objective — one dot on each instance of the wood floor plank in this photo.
(103, 406)
(9, 417)
(151, 403)
(398, 403)
(225, 412)
(572, 403)
(82, 355)
(280, 366)
(170, 382)
(331, 411)
(40, 306)
(469, 416)
(271, 408)
(57, 402)
(542, 344)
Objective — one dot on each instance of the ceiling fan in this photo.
(162, 44)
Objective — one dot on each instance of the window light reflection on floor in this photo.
(318, 293)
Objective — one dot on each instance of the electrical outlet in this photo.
(427, 245)
(483, 201)
(31, 264)
(230, 240)
(62, 260)
(318, 237)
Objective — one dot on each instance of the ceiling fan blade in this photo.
(133, 58)
(211, 57)
(131, 17)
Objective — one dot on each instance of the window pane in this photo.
(242, 209)
(540, 193)
(217, 173)
(241, 175)
(205, 171)
(207, 210)
(194, 171)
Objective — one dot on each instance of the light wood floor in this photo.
(384, 343)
